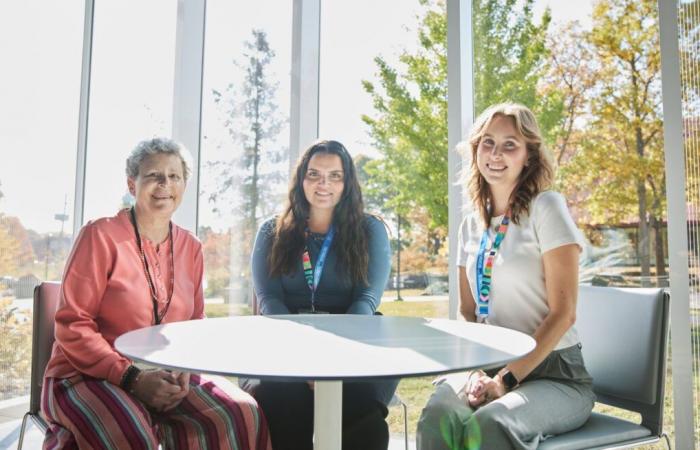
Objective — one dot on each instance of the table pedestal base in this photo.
(328, 415)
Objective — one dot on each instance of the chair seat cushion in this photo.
(600, 430)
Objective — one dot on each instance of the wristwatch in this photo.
(509, 380)
(129, 377)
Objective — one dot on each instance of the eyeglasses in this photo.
(331, 177)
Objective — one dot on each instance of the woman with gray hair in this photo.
(126, 272)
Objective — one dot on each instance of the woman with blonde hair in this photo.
(518, 268)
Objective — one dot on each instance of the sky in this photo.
(132, 78)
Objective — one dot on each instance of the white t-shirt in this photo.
(518, 299)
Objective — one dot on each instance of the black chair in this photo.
(46, 297)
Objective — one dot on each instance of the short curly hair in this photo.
(157, 146)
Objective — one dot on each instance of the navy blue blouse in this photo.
(335, 292)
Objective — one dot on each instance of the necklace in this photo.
(157, 317)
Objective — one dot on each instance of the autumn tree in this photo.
(622, 159)
(571, 76)
(9, 248)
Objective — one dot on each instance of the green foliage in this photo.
(15, 351)
(510, 58)
(409, 126)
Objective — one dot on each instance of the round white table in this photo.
(328, 349)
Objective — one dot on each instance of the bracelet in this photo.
(129, 378)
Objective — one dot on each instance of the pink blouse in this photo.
(104, 294)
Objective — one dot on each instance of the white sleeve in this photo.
(553, 223)
(462, 239)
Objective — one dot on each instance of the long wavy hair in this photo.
(537, 175)
(350, 241)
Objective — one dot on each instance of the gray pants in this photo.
(555, 398)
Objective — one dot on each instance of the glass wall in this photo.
(396, 131)
(40, 91)
(600, 115)
(131, 93)
(689, 20)
(245, 140)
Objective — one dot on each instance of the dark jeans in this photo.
(289, 409)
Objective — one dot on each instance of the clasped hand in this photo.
(482, 389)
(162, 390)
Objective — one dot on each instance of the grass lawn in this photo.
(414, 392)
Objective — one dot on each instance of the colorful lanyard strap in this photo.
(484, 269)
(313, 274)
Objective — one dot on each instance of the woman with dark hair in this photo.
(323, 254)
(518, 268)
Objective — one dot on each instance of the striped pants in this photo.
(88, 413)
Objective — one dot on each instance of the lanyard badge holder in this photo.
(313, 274)
(484, 269)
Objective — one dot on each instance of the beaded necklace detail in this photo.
(157, 317)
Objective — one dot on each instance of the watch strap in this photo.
(509, 380)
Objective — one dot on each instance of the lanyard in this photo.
(154, 296)
(313, 274)
(484, 269)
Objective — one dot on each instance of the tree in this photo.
(409, 125)
(625, 133)
(9, 248)
(9, 251)
(251, 180)
(253, 122)
(510, 56)
(571, 76)
(15, 350)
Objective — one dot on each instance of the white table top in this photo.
(324, 347)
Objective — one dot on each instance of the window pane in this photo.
(245, 140)
(689, 20)
(38, 129)
(605, 135)
(131, 94)
(396, 184)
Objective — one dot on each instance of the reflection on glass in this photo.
(362, 105)
(131, 93)
(245, 141)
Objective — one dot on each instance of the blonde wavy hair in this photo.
(537, 175)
